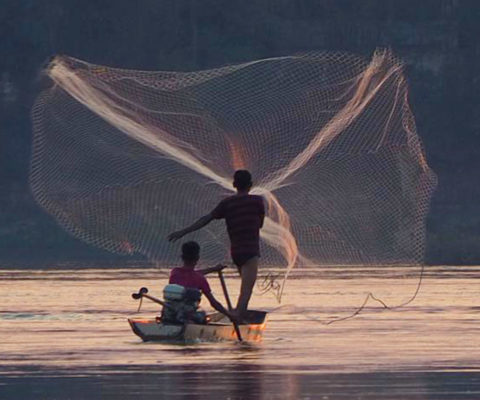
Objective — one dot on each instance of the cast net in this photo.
(121, 158)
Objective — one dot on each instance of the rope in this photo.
(270, 284)
(370, 295)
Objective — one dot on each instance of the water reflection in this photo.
(76, 343)
(237, 381)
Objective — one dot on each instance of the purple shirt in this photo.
(189, 278)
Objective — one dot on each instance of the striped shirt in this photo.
(244, 216)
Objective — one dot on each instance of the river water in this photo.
(64, 335)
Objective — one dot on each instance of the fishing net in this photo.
(121, 158)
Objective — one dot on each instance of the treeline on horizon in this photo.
(438, 39)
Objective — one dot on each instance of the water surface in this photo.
(64, 334)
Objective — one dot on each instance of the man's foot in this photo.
(238, 316)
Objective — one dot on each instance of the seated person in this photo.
(186, 275)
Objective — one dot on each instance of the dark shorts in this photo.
(241, 259)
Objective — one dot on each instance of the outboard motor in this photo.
(182, 305)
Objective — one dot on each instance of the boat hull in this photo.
(219, 328)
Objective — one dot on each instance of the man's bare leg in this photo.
(248, 272)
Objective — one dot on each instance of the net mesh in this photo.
(121, 158)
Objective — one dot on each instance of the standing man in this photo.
(243, 214)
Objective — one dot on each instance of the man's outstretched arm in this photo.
(200, 223)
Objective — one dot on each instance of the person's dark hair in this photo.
(242, 179)
(190, 251)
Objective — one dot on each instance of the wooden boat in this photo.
(217, 328)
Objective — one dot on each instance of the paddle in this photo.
(216, 268)
(229, 304)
